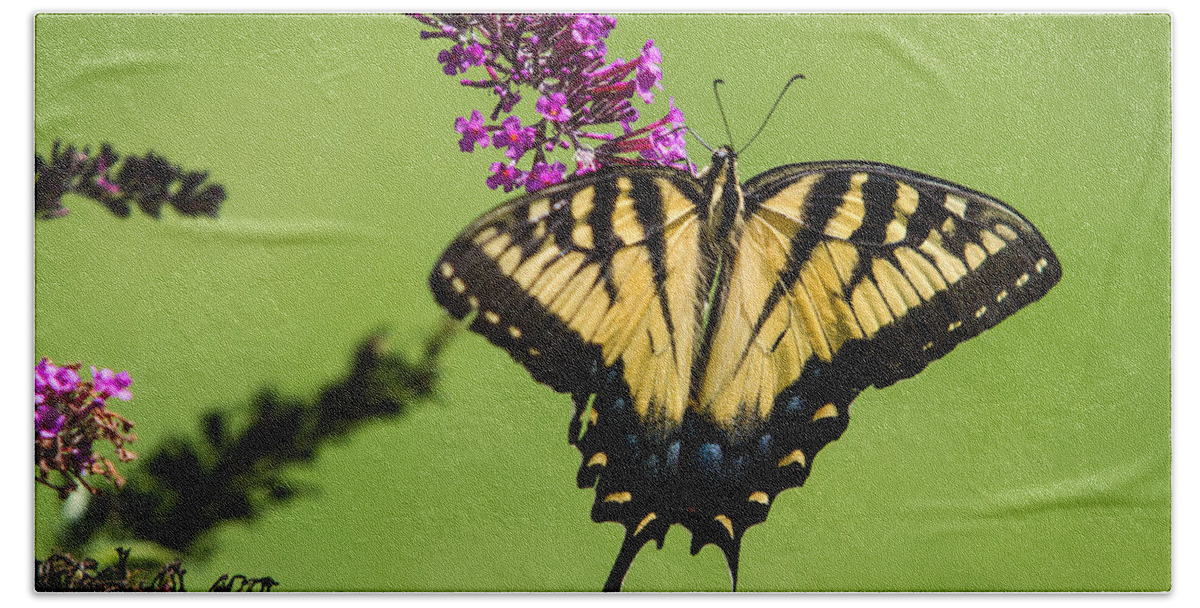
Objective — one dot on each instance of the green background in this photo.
(1035, 457)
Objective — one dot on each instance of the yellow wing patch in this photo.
(632, 327)
(849, 215)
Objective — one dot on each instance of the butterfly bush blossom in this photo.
(70, 414)
(578, 96)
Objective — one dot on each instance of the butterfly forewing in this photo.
(899, 265)
(579, 277)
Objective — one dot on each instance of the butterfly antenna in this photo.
(699, 139)
(721, 108)
(768, 118)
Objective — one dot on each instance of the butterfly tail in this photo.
(629, 550)
(731, 557)
(730, 545)
(635, 539)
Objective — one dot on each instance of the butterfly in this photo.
(713, 333)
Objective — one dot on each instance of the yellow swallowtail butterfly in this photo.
(713, 333)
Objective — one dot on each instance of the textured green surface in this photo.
(1035, 457)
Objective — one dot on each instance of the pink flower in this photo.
(507, 176)
(472, 131)
(112, 384)
(554, 108)
(543, 175)
(589, 28)
(513, 136)
(578, 93)
(649, 72)
(460, 59)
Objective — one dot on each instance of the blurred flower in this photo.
(102, 179)
(148, 181)
(110, 384)
(48, 421)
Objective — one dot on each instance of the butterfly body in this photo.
(713, 333)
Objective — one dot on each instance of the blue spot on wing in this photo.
(708, 461)
(673, 456)
(764, 445)
(795, 404)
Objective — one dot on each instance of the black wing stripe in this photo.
(600, 218)
(929, 214)
(823, 200)
(648, 205)
(879, 197)
(560, 225)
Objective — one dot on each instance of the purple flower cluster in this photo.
(70, 414)
(562, 59)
